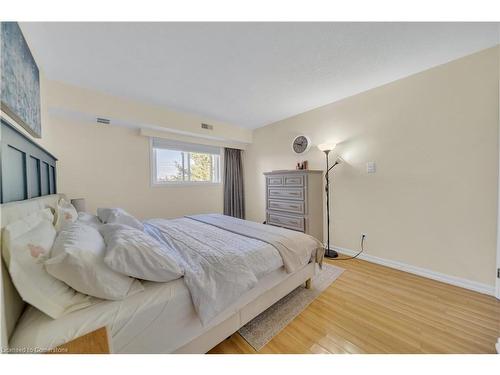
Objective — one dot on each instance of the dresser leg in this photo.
(308, 283)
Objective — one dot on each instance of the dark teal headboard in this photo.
(27, 170)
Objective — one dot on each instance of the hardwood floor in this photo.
(375, 309)
(95, 342)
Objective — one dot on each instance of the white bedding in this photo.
(295, 248)
(135, 253)
(219, 266)
(159, 320)
(261, 257)
(166, 316)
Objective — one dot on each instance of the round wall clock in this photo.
(301, 144)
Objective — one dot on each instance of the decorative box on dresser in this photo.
(294, 200)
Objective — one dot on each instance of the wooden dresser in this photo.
(294, 200)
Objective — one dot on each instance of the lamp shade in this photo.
(79, 204)
(326, 146)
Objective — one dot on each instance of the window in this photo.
(184, 163)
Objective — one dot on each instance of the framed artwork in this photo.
(20, 80)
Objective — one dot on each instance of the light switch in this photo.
(371, 167)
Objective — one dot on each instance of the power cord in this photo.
(354, 256)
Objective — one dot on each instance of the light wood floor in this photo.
(375, 309)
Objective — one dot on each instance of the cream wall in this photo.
(434, 137)
(82, 102)
(110, 165)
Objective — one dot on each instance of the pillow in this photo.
(26, 244)
(77, 258)
(137, 254)
(89, 219)
(118, 216)
(65, 214)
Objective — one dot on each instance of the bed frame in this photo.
(27, 169)
(220, 332)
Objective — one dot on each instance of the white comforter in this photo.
(295, 248)
(215, 261)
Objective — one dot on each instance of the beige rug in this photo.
(259, 331)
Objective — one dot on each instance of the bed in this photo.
(161, 319)
(164, 318)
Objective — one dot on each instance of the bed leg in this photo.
(308, 283)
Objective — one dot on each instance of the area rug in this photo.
(259, 331)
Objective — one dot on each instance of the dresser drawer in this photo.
(290, 222)
(288, 193)
(275, 181)
(293, 180)
(297, 207)
(294, 200)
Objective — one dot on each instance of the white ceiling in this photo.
(246, 74)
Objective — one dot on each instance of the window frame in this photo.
(153, 173)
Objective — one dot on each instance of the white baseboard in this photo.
(453, 280)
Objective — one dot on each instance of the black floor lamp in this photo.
(326, 148)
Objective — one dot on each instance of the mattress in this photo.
(160, 319)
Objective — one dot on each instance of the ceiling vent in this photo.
(207, 126)
(101, 120)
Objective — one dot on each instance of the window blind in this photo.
(185, 146)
